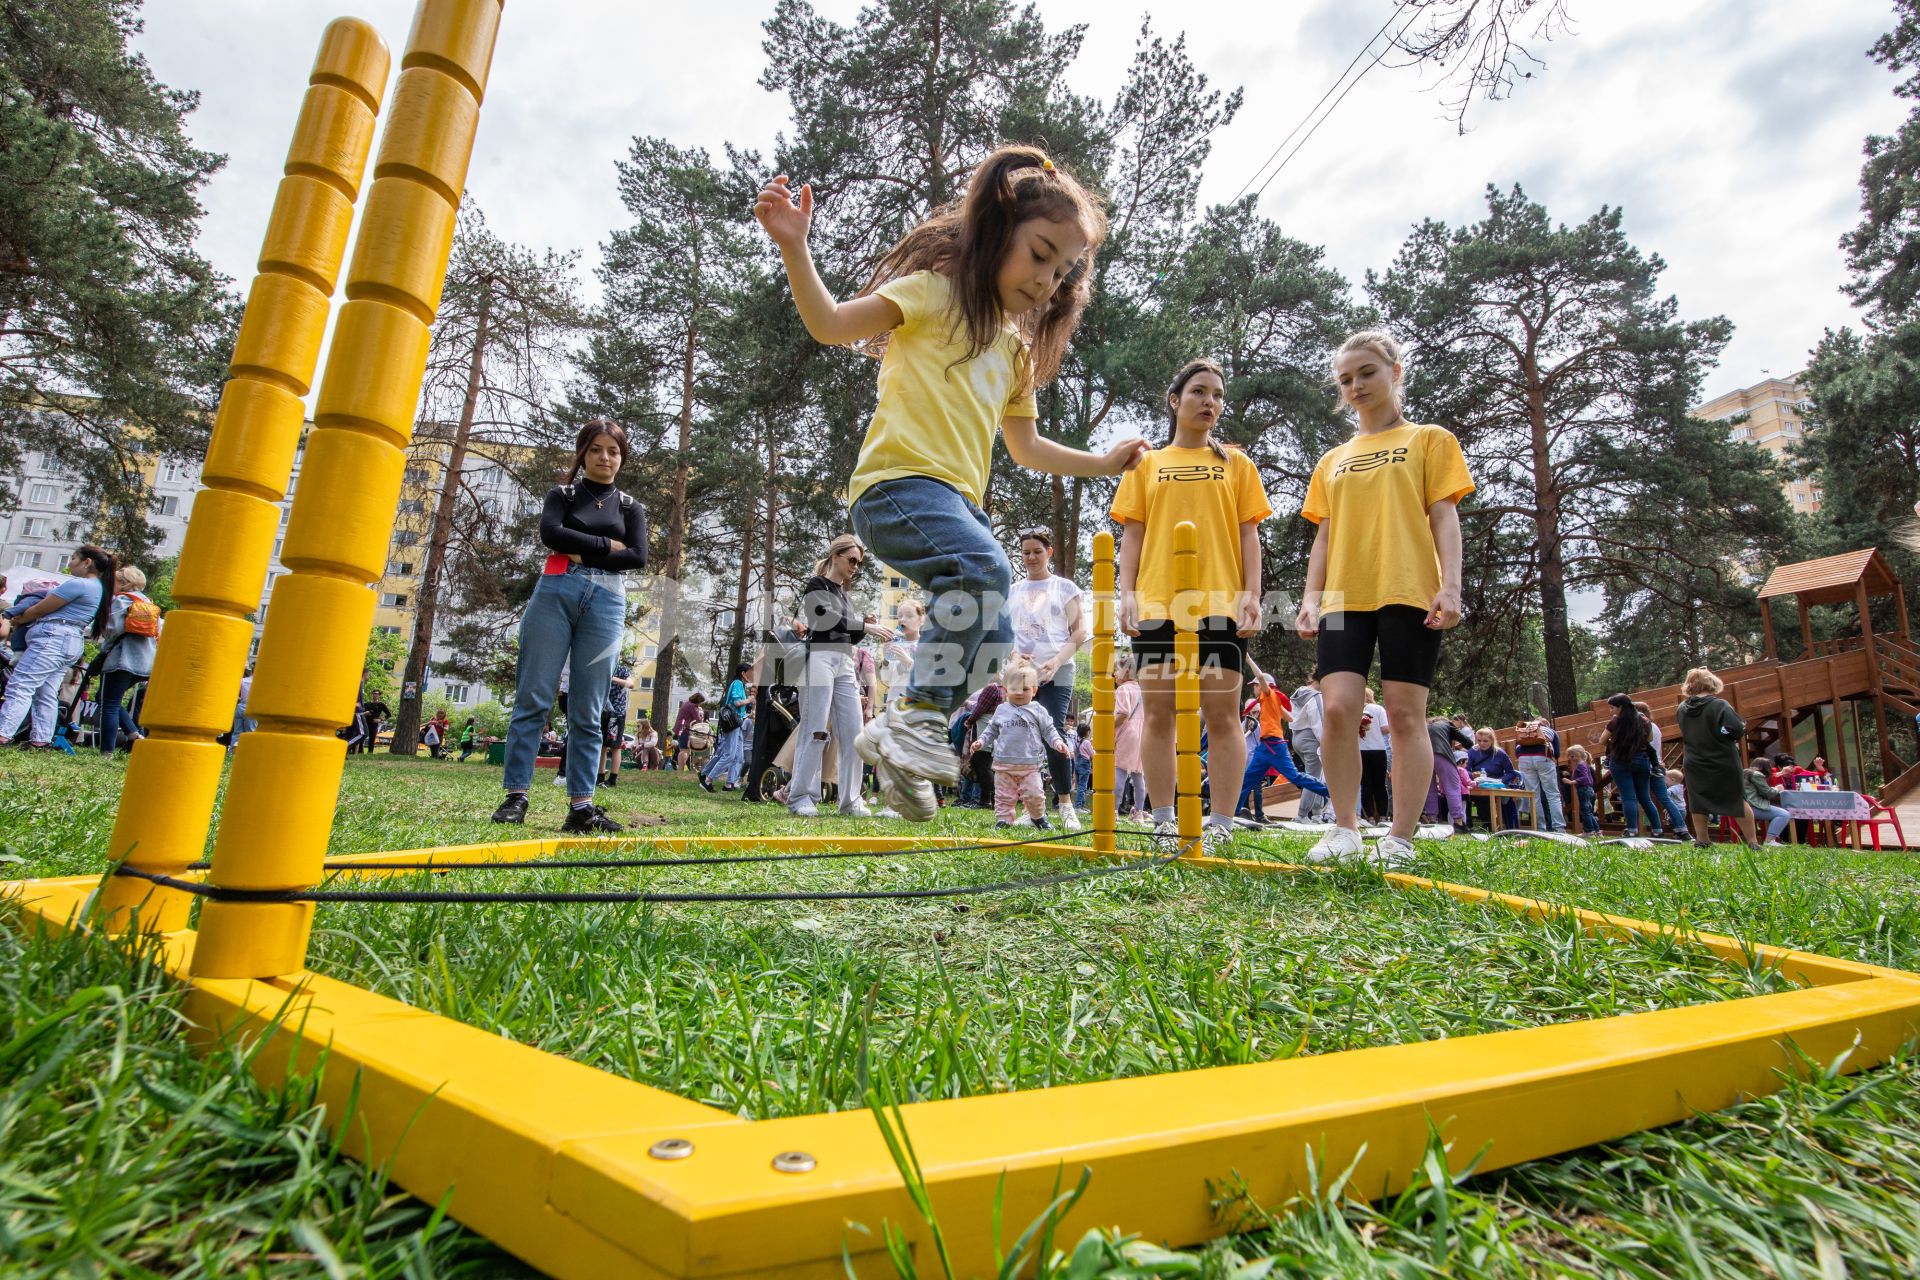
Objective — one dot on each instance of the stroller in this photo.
(776, 709)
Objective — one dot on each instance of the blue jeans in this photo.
(115, 719)
(1777, 819)
(1634, 777)
(1589, 820)
(1663, 795)
(1082, 783)
(580, 615)
(1055, 695)
(729, 758)
(1269, 754)
(932, 534)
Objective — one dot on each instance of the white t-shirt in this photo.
(1375, 738)
(1041, 627)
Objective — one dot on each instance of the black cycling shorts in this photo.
(1409, 648)
(1222, 646)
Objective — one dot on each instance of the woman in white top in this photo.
(1374, 802)
(1049, 627)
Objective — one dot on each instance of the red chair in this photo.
(1882, 814)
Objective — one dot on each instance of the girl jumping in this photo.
(1192, 478)
(970, 314)
(1384, 572)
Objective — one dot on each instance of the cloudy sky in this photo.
(1729, 130)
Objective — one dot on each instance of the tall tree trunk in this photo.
(1070, 540)
(1057, 521)
(677, 521)
(1555, 635)
(737, 643)
(770, 577)
(406, 724)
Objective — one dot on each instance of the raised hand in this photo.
(1125, 456)
(786, 221)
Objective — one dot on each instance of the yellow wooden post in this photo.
(1186, 685)
(1105, 623)
(286, 777)
(166, 803)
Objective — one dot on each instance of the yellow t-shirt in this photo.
(1218, 495)
(1374, 492)
(934, 420)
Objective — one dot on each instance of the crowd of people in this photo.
(965, 696)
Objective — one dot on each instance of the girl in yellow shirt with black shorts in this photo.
(1193, 477)
(1384, 573)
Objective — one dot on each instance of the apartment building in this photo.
(1776, 420)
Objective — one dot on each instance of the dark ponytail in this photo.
(1180, 381)
(103, 561)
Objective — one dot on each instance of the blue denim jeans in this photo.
(33, 691)
(1634, 777)
(115, 719)
(578, 616)
(729, 758)
(1082, 782)
(943, 543)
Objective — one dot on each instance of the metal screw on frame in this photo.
(794, 1162)
(671, 1149)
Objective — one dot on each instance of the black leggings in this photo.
(1373, 785)
(1055, 697)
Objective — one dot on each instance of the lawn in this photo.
(122, 1153)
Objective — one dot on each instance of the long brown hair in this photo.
(1180, 380)
(103, 561)
(966, 239)
(583, 440)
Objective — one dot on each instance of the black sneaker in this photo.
(589, 820)
(704, 784)
(512, 809)
(611, 780)
(1041, 824)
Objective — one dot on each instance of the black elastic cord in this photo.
(222, 893)
(604, 864)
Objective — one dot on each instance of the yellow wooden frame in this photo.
(552, 1159)
(586, 1174)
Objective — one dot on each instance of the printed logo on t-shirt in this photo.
(1193, 473)
(1370, 461)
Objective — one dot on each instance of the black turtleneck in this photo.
(584, 525)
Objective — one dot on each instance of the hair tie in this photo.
(1047, 165)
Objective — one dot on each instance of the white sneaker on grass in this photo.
(887, 813)
(855, 808)
(1215, 841)
(1394, 851)
(1024, 820)
(804, 808)
(914, 741)
(1338, 845)
(907, 797)
(1166, 836)
(1069, 817)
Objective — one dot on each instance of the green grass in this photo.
(123, 1153)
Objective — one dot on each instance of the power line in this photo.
(1316, 106)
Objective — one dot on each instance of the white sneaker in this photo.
(1166, 836)
(909, 798)
(1024, 820)
(855, 808)
(914, 741)
(1337, 845)
(887, 813)
(1215, 840)
(1069, 817)
(1394, 851)
(804, 808)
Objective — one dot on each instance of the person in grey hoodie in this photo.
(1712, 730)
(126, 661)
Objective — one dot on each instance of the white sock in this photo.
(1163, 813)
(1221, 820)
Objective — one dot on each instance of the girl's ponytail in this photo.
(966, 240)
(103, 561)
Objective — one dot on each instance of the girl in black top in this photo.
(578, 615)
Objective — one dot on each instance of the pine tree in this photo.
(114, 332)
(505, 316)
(1546, 349)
